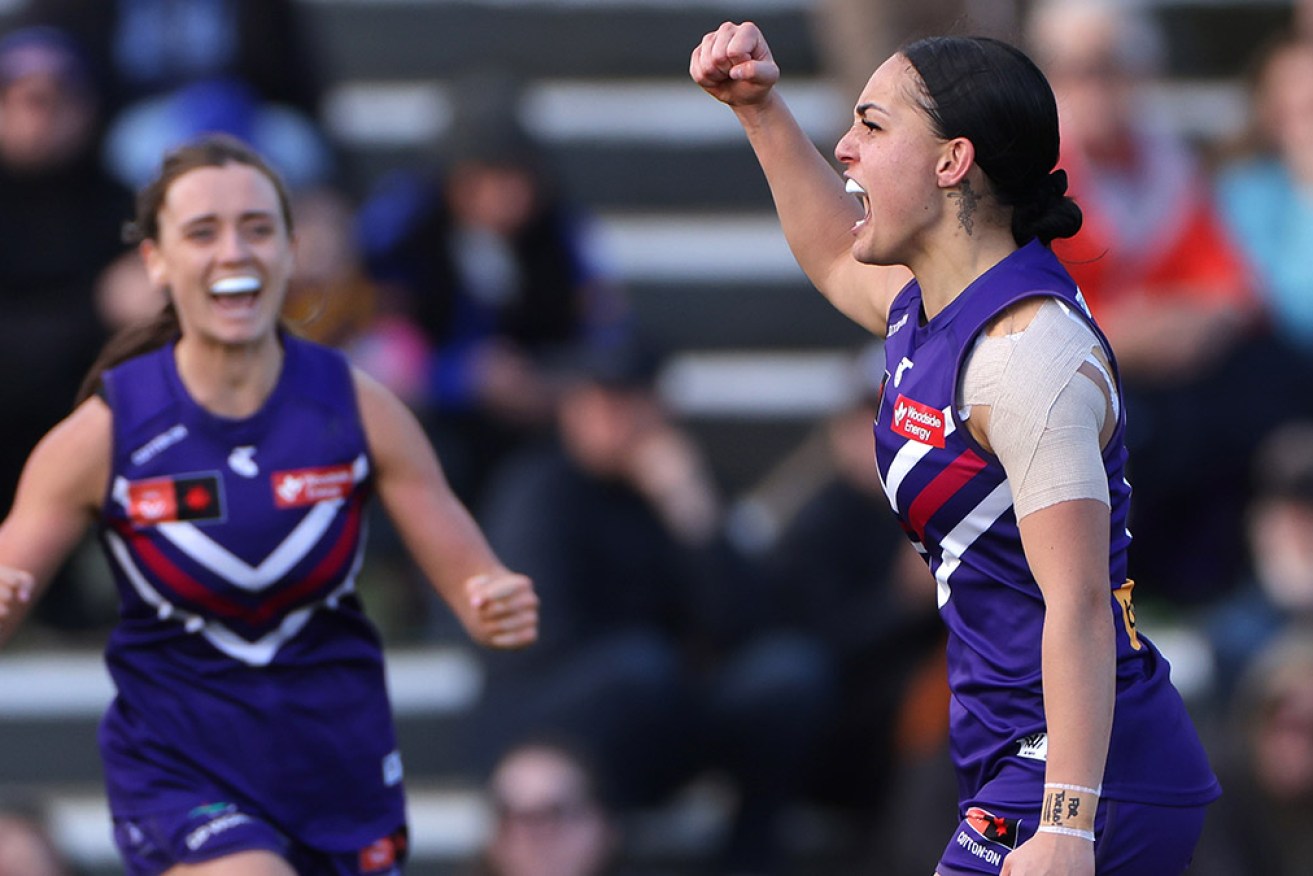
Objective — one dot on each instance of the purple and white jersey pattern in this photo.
(242, 657)
(955, 504)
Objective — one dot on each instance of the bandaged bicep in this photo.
(1049, 396)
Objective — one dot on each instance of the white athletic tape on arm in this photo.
(1045, 415)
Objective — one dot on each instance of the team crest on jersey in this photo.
(170, 499)
(306, 486)
(918, 422)
(242, 461)
(992, 827)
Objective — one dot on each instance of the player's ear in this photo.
(956, 158)
(154, 262)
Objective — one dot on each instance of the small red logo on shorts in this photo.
(306, 486)
(383, 854)
(919, 422)
(993, 827)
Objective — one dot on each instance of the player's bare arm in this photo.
(1067, 547)
(734, 64)
(497, 607)
(62, 486)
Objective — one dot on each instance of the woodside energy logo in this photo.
(918, 422)
(306, 486)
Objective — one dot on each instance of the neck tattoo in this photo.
(966, 208)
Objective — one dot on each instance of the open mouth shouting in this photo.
(854, 188)
(238, 292)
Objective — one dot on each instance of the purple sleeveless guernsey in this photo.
(955, 503)
(243, 663)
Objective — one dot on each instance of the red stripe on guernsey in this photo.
(941, 489)
(328, 569)
(167, 572)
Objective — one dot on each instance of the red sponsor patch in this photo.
(911, 419)
(165, 500)
(151, 502)
(306, 486)
(992, 827)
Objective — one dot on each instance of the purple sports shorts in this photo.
(151, 845)
(1131, 839)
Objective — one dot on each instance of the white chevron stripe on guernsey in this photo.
(205, 551)
(148, 594)
(906, 459)
(202, 549)
(258, 653)
(962, 536)
(262, 651)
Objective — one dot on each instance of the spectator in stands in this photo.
(143, 130)
(1303, 18)
(499, 272)
(1266, 193)
(655, 654)
(144, 48)
(1260, 825)
(332, 299)
(26, 848)
(60, 220)
(1169, 287)
(550, 815)
(174, 69)
(851, 581)
(1279, 593)
(1152, 251)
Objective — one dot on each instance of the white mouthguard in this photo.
(235, 286)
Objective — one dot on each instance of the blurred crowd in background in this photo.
(798, 661)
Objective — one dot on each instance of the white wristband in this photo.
(1098, 792)
(1066, 831)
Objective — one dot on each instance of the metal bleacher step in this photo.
(539, 38)
(614, 144)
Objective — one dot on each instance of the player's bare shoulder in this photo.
(1015, 318)
(379, 407)
(396, 441)
(73, 460)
